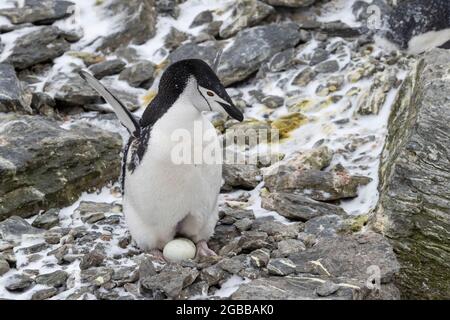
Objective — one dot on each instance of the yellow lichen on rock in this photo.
(286, 124)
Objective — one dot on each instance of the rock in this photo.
(223, 235)
(289, 122)
(324, 226)
(125, 274)
(97, 276)
(197, 289)
(244, 224)
(281, 288)
(47, 220)
(107, 68)
(318, 56)
(290, 246)
(414, 210)
(350, 256)
(247, 132)
(168, 7)
(318, 185)
(13, 96)
(282, 61)
(39, 168)
(174, 38)
(259, 258)
(14, 227)
(94, 258)
(38, 46)
(137, 26)
(146, 268)
(276, 229)
(245, 176)
(254, 46)
(18, 282)
(280, 267)
(206, 51)
(244, 14)
(44, 104)
(39, 12)
(4, 266)
(297, 206)
(170, 281)
(88, 58)
(35, 248)
(44, 294)
(212, 275)
(235, 264)
(371, 101)
(252, 240)
(71, 92)
(54, 279)
(327, 289)
(304, 77)
(328, 66)
(228, 213)
(92, 212)
(202, 18)
(272, 101)
(291, 3)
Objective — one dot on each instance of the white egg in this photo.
(179, 249)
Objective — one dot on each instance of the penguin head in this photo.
(195, 80)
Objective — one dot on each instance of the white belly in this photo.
(159, 194)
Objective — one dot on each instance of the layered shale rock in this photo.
(43, 165)
(414, 206)
(137, 26)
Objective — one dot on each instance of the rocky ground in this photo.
(294, 229)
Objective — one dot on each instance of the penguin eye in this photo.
(210, 93)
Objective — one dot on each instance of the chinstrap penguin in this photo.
(162, 199)
(413, 26)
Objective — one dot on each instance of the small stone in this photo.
(202, 18)
(4, 266)
(327, 67)
(140, 74)
(14, 227)
(94, 258)
(272, 101)
(234, 265)
(280, 267)
(91, 212)
(97, 276)
(259, 258)
(18, 282)
(170, 281)
(107, 68)
(212, 275)
(304, 77)
(244, 14)
(47, 220)
(146, 268)
(124, 241)
(54, 279)
(174, 38)
(318, 56)
(289, 246)
(244, 224)
(327, 289)
(44, 294)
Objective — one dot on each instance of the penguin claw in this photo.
(203, 250)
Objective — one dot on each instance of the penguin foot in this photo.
(158, 255)
(203, 250)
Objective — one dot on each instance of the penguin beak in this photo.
(232, 110)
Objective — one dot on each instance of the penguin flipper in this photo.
(125, 116)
